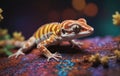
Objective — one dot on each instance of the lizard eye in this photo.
(76, 28)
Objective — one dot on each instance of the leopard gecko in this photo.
(54, 33)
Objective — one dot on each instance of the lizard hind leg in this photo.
(19, 52)
(28, 44)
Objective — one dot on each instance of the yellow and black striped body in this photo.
(45, 31)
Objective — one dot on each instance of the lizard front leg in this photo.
(75, 43)
(28, 44)
(45, 51)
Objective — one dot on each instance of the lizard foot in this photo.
(55, 56)
(17, 54)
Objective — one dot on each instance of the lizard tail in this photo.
(11, 42)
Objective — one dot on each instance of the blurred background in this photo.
(28, 15)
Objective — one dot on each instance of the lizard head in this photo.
(71, 29)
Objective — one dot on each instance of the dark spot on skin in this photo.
(63, 31)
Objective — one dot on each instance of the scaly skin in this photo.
(53, 33)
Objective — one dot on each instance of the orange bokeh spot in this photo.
(69, 14)
(79, 4)
(91, 9)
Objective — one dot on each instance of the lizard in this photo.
(54, 33)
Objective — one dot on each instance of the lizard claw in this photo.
(17, 54)
(55, 56)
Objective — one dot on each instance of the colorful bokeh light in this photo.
(91, 9)
(78, 4)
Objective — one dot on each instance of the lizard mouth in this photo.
(78, 35)
(86, 33)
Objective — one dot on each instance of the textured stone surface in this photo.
(72, 64)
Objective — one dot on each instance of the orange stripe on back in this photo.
(36, 34)
(42, 31)
(45, 29)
